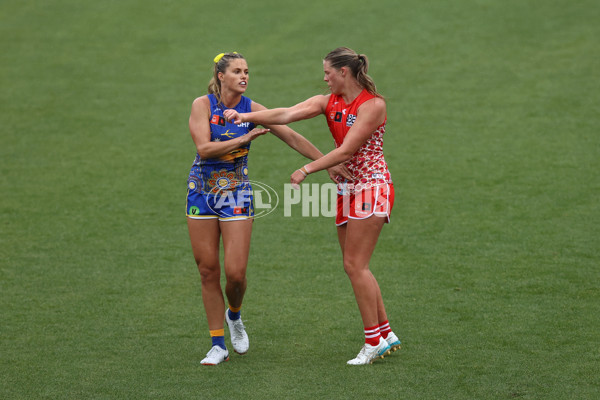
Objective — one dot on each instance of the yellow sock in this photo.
(217, 332)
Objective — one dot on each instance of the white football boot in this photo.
(393, 341)
(215, 355)
(369, 353)
(239, 337)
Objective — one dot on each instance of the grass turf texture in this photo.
(489, 268)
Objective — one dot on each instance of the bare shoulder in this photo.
(374, 104)
(200, 106)
(373, 110)
(322, 99)
(200, 101)
(254, 106)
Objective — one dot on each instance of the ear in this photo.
(220, 76)
(343, 71)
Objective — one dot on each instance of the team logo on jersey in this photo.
(228, 134)
(218, 120)
(350, 120)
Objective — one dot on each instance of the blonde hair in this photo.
(214, 86)
(358, 65)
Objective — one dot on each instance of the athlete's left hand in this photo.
(253, 134)
(297, 178)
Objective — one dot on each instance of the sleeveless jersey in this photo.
(228, 172)
(367, 165)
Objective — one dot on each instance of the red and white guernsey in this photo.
(367, 165)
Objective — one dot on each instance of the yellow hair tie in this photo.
(218, 58)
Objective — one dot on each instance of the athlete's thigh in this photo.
(205, 235)
(361, 239)
(236, 242)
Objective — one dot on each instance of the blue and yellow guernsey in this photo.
(228, 172)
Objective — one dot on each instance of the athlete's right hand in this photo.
(233, 116)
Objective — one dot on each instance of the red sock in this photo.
(385, 329)
(372, 335)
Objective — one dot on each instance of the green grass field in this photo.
(489, 269)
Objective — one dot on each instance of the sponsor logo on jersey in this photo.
(194, 210)
(218, 120)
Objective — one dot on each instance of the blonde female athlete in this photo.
(219, 200)
(356, 116)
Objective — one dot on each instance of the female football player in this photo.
(356, 115)
(219, 201)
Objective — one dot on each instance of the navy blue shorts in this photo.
(226, 205)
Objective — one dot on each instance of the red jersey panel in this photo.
(367, 165)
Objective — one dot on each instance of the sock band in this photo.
(217, 332)
(384, 328)
(218, 338)
(372, 335)
(234, 313)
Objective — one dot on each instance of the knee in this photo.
(349, 267)
(209, 272)
(353, 269)
(236, 277)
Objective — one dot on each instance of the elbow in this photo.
(345, 156)
(202, 152)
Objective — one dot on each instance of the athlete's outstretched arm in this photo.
(309, 108)
(200, 131)
(302, 145)
(370, 115)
